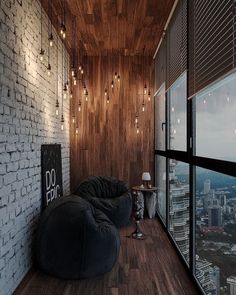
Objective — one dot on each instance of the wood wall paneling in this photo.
(107, 143)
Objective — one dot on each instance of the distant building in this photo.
(214, 216)
(207, 186)
(231, 282)
(179, 211)
(204, 271)
(223, 200)
(215, 276)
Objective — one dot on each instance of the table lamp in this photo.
(146, 178)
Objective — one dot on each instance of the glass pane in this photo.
(160, 119)
(215, 120)
(178, 114)
(215, 231)
(161, 185)
(179, 205)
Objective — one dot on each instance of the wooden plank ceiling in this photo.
(110, 25)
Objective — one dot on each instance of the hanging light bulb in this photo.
(118, 78)
(41, 53)
(63, 31)
(77, 130)
(112, 84)
(136, 119)
(57, 107)
(105, 92)
(86, 95)
(145, 89)
(137, 129)
(74, 80)
(143, 106)
(65, 91)
(49, 69)
(80, 67)
(73, 119)
(50, 39)
(62, 122)
(71, 94)
(79, 107)
(149, 95)
(115, 75)
(108, 99)
(85, 90)
(72, 71)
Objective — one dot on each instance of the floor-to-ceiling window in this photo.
(195, 151)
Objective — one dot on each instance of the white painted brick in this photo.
(27, 120)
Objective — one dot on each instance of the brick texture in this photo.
(27, 120)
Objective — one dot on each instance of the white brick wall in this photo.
(27, 120)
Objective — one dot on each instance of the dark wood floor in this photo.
(148, 267)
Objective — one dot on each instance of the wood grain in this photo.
(104, 25)
(147, 267)
(107, 143)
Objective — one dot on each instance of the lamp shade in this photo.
(146, 176)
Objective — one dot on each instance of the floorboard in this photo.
(146, 267)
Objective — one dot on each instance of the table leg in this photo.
(137, 234)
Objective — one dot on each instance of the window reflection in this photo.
(215, 120)
(215, 231)
(178, 114)
(179, 205)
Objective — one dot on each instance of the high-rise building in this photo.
(215, 276)
(179, 211)
(214, 216)
(231, 282)
(204, 271)
(207, 186)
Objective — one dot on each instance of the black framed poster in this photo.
(51, 173)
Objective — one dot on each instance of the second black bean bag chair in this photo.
(110, 195)
(75, 240)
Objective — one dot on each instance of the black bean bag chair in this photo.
(110, 195)
(75, 240)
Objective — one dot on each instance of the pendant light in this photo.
(143, 106)
(137, 129)
(136, 120)
(74, 25)
(77, 130)
(63, 20)
(42, 51)
(49, 68)
(79, 106)
(50, 35)
(86, 95)
(149, 95)
(145, 86)
(57, 80)
(62, 96)
(62, 122)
